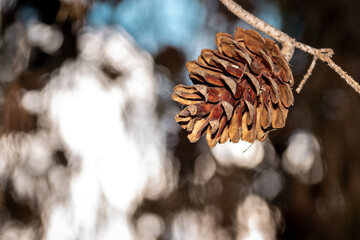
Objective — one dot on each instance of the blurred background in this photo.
(89, 148)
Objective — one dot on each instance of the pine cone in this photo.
(243, 90)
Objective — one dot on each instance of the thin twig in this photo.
(289, 43)
(307, 75)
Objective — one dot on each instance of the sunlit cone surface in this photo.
(241, 91)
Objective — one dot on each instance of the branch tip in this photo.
(307, 75)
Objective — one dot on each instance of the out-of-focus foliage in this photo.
(155, 23)
(89, 148)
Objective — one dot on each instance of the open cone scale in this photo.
(241, 91)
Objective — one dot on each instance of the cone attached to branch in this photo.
(241, 91)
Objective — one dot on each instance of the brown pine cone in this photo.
(243, 90)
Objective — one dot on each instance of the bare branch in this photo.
(349, 80)
(287, 50)
(307, 75)
(289, 43)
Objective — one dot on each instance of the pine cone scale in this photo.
(242, 56)
(231, 83)
(277, 117)
(250, 113)
(231, 66)
(235, 124)
(188, 93)
(190, 125)
(229, 108)
(201, 109)
(214, 116)
(248, 131)
(274, 92)
(254, 81)
(268, 60)
(253, 41)
(266, 117)
(286, 95)
(197, 130)
(223, 63)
